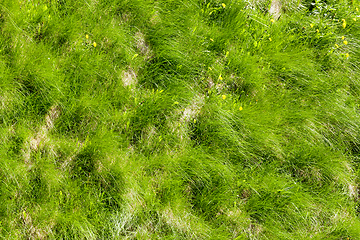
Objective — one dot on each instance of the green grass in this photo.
(186, 120)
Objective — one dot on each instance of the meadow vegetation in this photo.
(179, 119)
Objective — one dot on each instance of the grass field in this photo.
(179, 119)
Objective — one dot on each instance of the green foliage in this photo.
(179, 120)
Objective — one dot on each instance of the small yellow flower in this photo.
(135, 55)
(347, 55)
(270, 39)
(311, 25)
(342, 37)
(337, 46)
(272, 20)
(211, 39)
(223, 97)
(194, 120)
(220, 77)
(223, 4)
(317, 30)
(345, 42)
(210, 68)
(344, 23)
(354, 19)
(94, 44)
(87, 36)
(241, 108)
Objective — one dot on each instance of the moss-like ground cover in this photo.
(179, 119)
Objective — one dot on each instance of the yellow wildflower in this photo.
(345, 42)
(272, 20)
(317, 30)
(270, 39)
(211, 39)
(342, 37)
(344, 23)
(241, 108)
(347, 55)
(223, 4)
(87, 36)
(337, 46)
(220, 77)
(223, 97)
(311, 25)
(135, 55)
(194, 120)
(94, 44)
